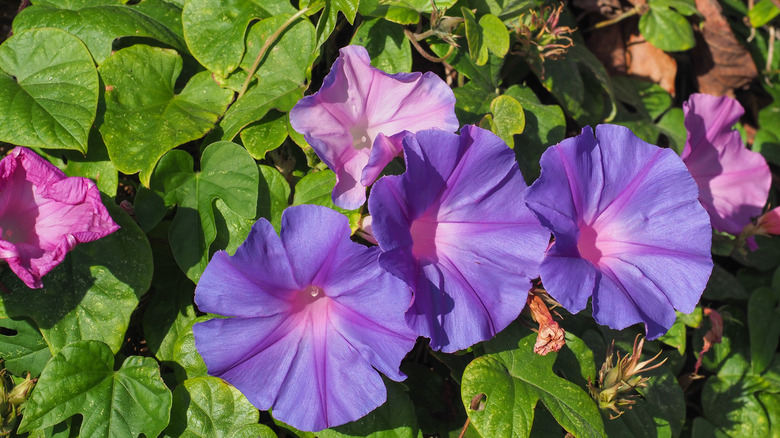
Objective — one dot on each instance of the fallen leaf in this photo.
(647, 62)
(720, 61)
(624, 52)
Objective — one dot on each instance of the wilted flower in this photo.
(617, 383)
(540, 37)
(44, 214)
(733, 180)
(356, 103)
(314, 318)
(628, 229)
(456, 229)
(550, 336)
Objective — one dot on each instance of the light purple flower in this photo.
(44, 214)
(313, 319)
(355, 104)
(733, 180)
(455, 227)
(628, 229)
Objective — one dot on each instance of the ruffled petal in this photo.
(313, 314)
(437, 226)
(637, 239)
(733, 180)
(356, 103)
(44, 214)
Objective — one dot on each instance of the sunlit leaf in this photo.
(513, 379)
(81, 380)
(145, 117)
(48, 90)
(215, 29)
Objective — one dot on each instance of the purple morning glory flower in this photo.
(44, 214)
(314, 318)
(733, 180)
(355, 104)
(456, 229)
(629, 229)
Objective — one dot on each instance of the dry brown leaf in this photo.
(720, 61)
(624, 52)
(647, 62)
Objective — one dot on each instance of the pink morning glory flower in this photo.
(44, 214)
(357, 102)
(733, 180)
(456, 229)
(629, 229)
(314, 318)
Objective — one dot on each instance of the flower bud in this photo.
(21, 391)
(616, 385)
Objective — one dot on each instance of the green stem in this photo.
(621, 17)
(267, 45)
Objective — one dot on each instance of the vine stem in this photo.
(465, 427)
(619, 18)
(267, 45)
(413, 38)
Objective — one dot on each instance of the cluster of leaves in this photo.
(179, 109)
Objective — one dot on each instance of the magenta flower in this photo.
(356, 103)
(44, 214)
(314, 318)
(456, 229)
(628, 229)
(733, 180)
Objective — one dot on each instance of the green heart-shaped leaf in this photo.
(144, 117)
(229, 173)
(666, 29)
(514, 379)
(544, 125)
(494, 34)
(215, 29)
(210, 407)
(188, 360)
(81, 380)
(48, 90)
(265, 135)
(171, 306)
(764, 324)
(98, 25)
(330, 14)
